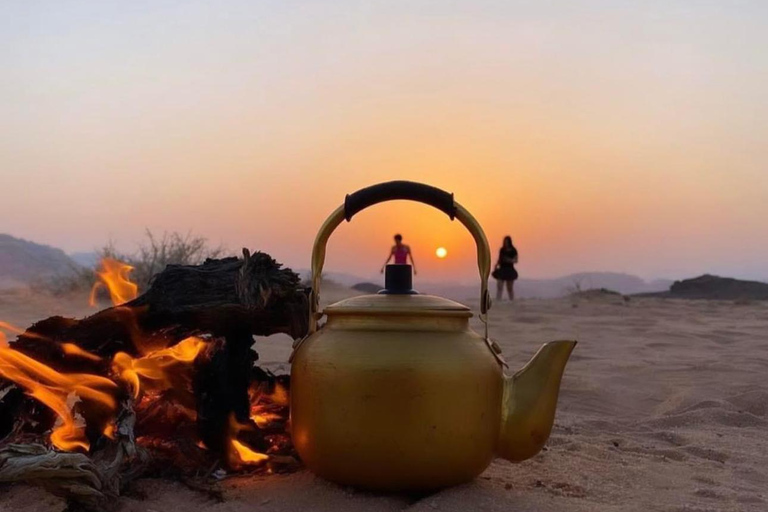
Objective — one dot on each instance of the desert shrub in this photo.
(576, 286)
(170, 249)
(76, 279)
(151, 256)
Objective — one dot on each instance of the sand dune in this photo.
(664, 407)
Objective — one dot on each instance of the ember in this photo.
(239, 453)
(263, 405)
(181, 386)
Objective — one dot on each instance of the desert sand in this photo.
(664, 406)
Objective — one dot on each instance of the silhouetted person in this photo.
(505, 272)
(401, 252)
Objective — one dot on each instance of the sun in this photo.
(441, 252)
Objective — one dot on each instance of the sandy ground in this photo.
(664, 406)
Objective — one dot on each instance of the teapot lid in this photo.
(398, 298)
(398, 304)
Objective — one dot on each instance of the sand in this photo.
(664, 406)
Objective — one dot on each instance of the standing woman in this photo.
(401, 253)
(505, 272)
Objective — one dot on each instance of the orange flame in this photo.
(279, 396)
(114, 275)
(263, 419)
(245, 455)
(259, 413)
(156, 370)
(57, 391)
(154, 366)
(10, 328)
(109, 431)
(239, 453)
(73, 350)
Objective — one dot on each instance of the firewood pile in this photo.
(163, 384)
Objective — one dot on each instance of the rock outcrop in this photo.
(717, 288)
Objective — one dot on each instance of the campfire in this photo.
(159, 383)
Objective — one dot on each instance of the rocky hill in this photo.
(367, 287)
(558, 287)
(23, 262)
(524, 288)
(718, 288)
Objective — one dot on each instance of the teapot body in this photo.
(396, 402)
(396, 393)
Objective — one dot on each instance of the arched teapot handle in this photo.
(389, 191)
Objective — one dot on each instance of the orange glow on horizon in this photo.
(549, 124)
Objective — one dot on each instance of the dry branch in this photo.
(90, 481)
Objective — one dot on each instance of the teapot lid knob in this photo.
(398, 280)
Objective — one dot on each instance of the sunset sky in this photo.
(622, 136)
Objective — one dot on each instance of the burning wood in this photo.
(164, 381)
(59, 392)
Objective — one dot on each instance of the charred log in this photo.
(221, 388)
(252, 296)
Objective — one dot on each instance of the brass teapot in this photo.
(396, 393)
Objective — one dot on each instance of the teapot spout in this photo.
(530, 399)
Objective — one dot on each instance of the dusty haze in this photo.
(620, 138)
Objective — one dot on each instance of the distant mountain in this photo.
(23, 262)
(85, 259)
(367, 287)
(625, 284)
(341, 278)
